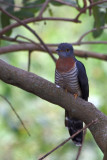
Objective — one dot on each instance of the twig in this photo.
(16, 114)
(36, 19)
(29, 46)
(25, 38)
(87, 54)
(85, 4)
(29, 60)
(88, 7)
(30, 29)
(78, 42)
(92, 30)
(12, 39)
(20, 41)
(43, 8)
(60, 145)
(52, 45)
(80, 148)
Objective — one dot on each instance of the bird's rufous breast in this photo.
(65, 64)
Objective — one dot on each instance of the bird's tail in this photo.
(73, 126)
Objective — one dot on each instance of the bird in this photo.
(70, 74)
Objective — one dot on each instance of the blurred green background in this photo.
(44, 120)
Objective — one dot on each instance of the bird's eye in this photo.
(67, 50)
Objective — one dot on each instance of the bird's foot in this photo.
(75, 95)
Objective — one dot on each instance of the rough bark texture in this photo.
(105, 152)
(48, 91)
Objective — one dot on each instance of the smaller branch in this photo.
(25, 38)
(11, 39)
(88, 7)
(86, 33)
(80, 148)
(16, 114)
(29, 60)
(87, 54)
(64, 142)
(89, 42)
(51, 45)
(36, 19)
(79, 41)
(20, 41)
(85, 4)
(29, 46)
(43, 8)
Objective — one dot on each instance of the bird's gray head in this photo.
(65, 50)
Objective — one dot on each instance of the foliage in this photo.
(31, 8)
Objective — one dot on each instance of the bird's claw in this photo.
(75, 95)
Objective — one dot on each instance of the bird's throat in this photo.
(65, 64)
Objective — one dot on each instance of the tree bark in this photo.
(78, 108)
(105, 152)
(33, 47)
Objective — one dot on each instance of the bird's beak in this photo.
(57, 50)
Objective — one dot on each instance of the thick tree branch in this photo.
(48, 91)
(105, 152)
(38, 47)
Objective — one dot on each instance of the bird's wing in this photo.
(83, 80)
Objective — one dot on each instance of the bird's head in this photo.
(65, 50)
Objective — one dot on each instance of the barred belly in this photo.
(68, 80)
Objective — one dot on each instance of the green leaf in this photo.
(56, 3)
(24, 1)
(37, 2)
(23, 13)
(10, 8)
(5, 21)
(99, 20)
(35, 6)
(50, 12)
(106, 16)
